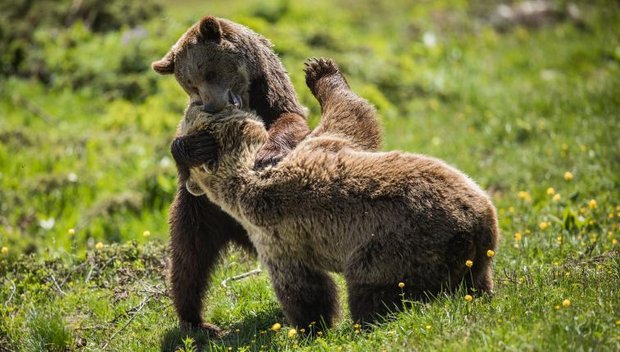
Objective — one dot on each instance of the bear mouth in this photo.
(235, 100)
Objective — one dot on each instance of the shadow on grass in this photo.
(253, 331)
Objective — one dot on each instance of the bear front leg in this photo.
(284, 134)
(309, 298)
(199, 230)
(343, 112)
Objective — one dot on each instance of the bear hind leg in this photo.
(483, 279)
(372, 303)
(482, 271)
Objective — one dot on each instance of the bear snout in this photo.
(217, 104)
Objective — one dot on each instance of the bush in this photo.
(44, 40)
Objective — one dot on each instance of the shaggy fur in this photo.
(335, 205)
(214, 60)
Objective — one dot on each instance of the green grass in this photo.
(515, 110)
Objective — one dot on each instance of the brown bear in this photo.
(219, 62)
(335, 205)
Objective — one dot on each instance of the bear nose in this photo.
(213, 99)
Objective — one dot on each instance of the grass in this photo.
(86, 181)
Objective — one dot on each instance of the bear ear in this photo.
(210, 29)
(165, 66)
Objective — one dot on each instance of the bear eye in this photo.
(210, 75)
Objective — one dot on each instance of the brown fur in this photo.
(334, 204)
(212, 60)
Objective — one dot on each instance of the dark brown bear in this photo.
(219, 62)
(335, 205)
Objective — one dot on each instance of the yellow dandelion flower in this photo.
(525, 196)
(4, 250)
(401, 284)
(592, 204)
(292, 333)
(469, 263)
(146, 233)
(518, 236)
(469, 298)
(544, 225)
(568, 176)
(490, 253)
(557, 306)
(428, 327)
(276, 327)
(550, 191)
(71, 232)
(566, 303)
(99, 246)
(617, 322)
(613, 242)
(557, 197)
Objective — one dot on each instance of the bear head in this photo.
(208, 65)
(239, 134)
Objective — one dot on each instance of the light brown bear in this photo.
(217, 62)
(335, 205)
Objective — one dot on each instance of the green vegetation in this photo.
(86, 178)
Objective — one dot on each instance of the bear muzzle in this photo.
(218, 104)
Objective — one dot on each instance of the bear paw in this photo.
(208, 329)
(194, 150)
(318, 69)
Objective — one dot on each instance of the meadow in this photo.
(530, 110)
